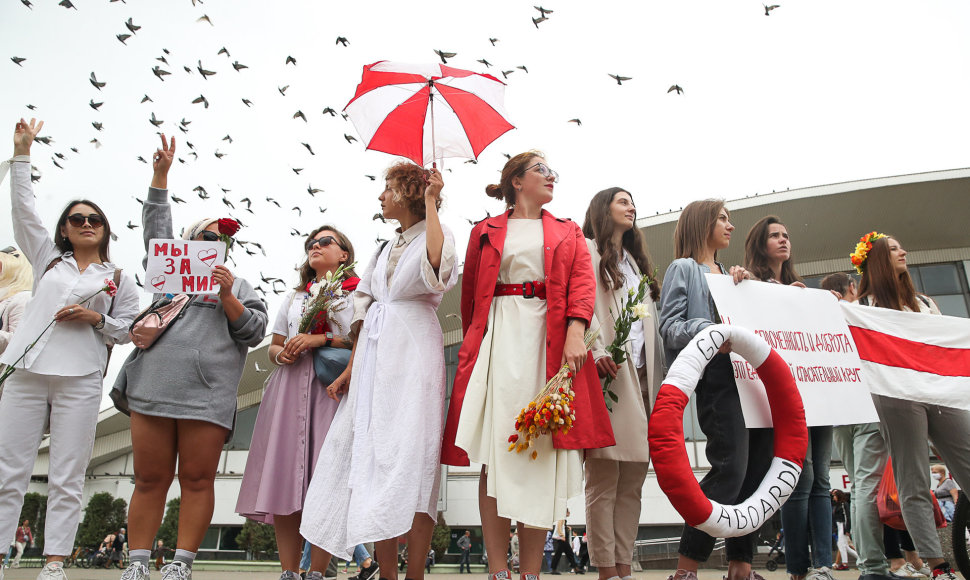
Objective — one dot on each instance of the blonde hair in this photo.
(16, 276)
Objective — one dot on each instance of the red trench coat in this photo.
(570, 293)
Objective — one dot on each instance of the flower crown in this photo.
(861, 253)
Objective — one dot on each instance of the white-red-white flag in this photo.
(912, 356)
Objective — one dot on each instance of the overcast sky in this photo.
(819, 92)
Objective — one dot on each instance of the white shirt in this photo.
(67, 348)
(631, 280)
(288, 318)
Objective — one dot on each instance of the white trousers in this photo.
(70, 406)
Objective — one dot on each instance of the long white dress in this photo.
(510, 372)
(380, 463)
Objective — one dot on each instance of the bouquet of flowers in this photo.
(550, 412)
(324, 301)
(109, 288)
(633, 310)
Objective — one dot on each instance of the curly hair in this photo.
(408, 182)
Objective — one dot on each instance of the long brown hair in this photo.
(882, 285)
(599, 227)
(64, 244)
(307, 273)
(514, 167)
(695, 226)
(756, 258)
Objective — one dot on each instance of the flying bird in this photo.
(17, 60)
(349, 138)
(543, 11)
(44, 140)
(97, 144)
(157, 71)
(131, 226)
(67, 4)
(205, 18)
(132, 26)
(196, 101)
(371, 177)
(94, 105)
(155, 121)
(219, 155)
(619, 79)
(282, 90)
(203, 194)
(493, 41)
(32, 107)
(484, 62)
(539, 20)
(228, 138)
(56, 164)
(238, 66)
(678, 88)
(330, 111)
(177, 199)
(342, 40)
(523, 68)
(506, 73)
(205, 73)
(26, 3)
(577, 121)
(122, 38)
(378, 216)
(296, 170)
(444, 56)
(138, 281)
(274, 202)
(223, 51)
(97, 126)
(768, 8)
(289, 60)
(308, 148)
(96, 83)
(297, 209)
(247, 102)
(312, 190)
(186, 69)
(300, 115)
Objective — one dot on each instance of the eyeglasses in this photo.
(323, 243)
(545, 171)
(77, 220)
(208, 236)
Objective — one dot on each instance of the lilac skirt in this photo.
(292, 423)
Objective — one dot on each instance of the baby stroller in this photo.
(776, 555)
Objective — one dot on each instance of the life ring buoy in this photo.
(666, 434)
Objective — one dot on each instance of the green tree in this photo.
(440, 537)
(168, 532)
(35, 510)
(103, 515)
(257, 539)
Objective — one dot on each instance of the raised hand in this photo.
(162, 162)
(435, 185)
(24, 134)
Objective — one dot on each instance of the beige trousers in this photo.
(613, 491)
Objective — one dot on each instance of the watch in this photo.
(100, 324)
(329, 340)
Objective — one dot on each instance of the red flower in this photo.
(110, 288)
(513, 438)
(228, 226)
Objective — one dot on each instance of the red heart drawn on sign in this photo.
(158, 282)
(208, 256)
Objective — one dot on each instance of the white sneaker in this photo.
(907, 570)
(136, 571)
(176, 571)
(53, 571)
(925, 570)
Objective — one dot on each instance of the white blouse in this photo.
(67, 348)
(291, 313)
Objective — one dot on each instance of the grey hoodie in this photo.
(193, 370)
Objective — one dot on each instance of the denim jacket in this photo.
(686, 306)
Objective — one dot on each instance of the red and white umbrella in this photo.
(427, 111)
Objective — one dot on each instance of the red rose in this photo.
(228, 226)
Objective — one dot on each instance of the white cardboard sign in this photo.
(806, 327)
(183, 266)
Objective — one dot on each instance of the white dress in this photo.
(510, 372)
(381, 461)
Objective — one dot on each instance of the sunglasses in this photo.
(323, 243)
(545, 171)
(11, 250)
(77, 220)
(208, 236)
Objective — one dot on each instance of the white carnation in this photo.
(641, 311)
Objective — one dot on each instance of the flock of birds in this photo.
(238, 207)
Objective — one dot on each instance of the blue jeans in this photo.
(807, 515)
(547, 556)
(360, 554)
(305, 560)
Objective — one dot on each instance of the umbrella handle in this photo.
(434, 164)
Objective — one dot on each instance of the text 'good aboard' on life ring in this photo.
(666, 434)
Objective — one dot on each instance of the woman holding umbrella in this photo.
(528, 293)
(378, 472)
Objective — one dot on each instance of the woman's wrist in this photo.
(160, 181)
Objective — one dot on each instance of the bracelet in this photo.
(277, 358)
(100, 324)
